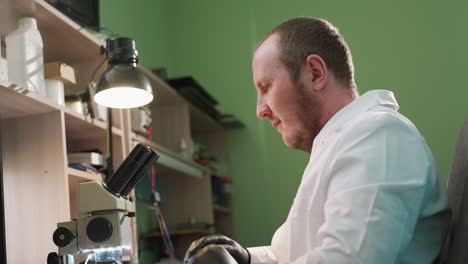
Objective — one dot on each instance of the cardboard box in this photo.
(60, 71)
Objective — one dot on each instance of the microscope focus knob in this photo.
(63, 237)
(53, 258)
(99, 230)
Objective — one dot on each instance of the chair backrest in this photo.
(456, 247)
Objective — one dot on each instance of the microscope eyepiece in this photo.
(150, 160)
(132, 169)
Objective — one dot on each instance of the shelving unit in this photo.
(16, 103)
(89, 127)
(185, 198)
(85, 176)
(40, 188)
(37, 134)
(165, 151)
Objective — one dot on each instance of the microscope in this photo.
(104, 233)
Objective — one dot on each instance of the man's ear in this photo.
(317, 71)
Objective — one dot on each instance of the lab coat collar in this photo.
(360, 105)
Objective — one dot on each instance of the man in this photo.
(371, 192)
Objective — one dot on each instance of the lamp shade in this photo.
(122, 85)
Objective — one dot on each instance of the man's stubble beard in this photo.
(309, 115)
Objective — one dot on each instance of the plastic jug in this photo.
(25, 56)
(3, 65)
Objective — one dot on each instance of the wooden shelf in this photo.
(158, 147)
(66, 40)
(163, 93)
(181, 233)
(221, 209)
(201, 122)
(169, 152)
(85, 176)
(81, 127)
(15, 102)
(63, 39)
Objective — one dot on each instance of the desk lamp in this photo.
(122, 85)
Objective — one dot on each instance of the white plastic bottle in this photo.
(3, 65)
(25, 56)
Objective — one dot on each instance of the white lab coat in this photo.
(371, 193)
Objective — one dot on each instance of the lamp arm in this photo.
(110, 147)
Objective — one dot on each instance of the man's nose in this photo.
(263, 110)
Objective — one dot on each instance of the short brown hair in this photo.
(300, 37)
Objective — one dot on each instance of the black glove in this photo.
(211, 254)
(240, 254)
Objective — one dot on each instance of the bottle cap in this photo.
(28, 21)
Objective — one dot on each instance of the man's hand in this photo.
(240, 254)
(211, 254)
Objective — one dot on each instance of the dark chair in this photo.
(456, 246)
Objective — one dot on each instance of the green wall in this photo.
(414, 48)
(144, 21)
